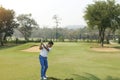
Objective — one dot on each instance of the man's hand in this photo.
(41, 46)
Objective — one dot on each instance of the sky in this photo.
(69, 12)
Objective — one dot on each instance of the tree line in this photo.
(65, 34)
(102, 18)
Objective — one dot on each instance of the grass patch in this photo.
(67, 61)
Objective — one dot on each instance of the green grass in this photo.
(67, 61)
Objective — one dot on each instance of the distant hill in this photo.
(74, 26)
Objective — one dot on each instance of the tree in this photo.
(99, 15)
(7, 23)
(114, 12)
(26, 24)
(56, 18)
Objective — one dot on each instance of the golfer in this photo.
(45, 49)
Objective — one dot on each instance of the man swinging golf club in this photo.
(43, 58)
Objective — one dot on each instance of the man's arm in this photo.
(46, 47)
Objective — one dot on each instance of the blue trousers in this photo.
(44, 65)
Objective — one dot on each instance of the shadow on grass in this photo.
(53, 78)
(111, 78)
(89, 76)
(117, 47)
(8, 46)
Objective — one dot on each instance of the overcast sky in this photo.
(69, 11)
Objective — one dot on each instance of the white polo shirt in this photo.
(44, 52)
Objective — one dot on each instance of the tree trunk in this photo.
(1, 43)
(107, 40)
(119, 39)
(114, 38)
(1, 39)
(26, 38)
(101, 36)
(4, 38)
